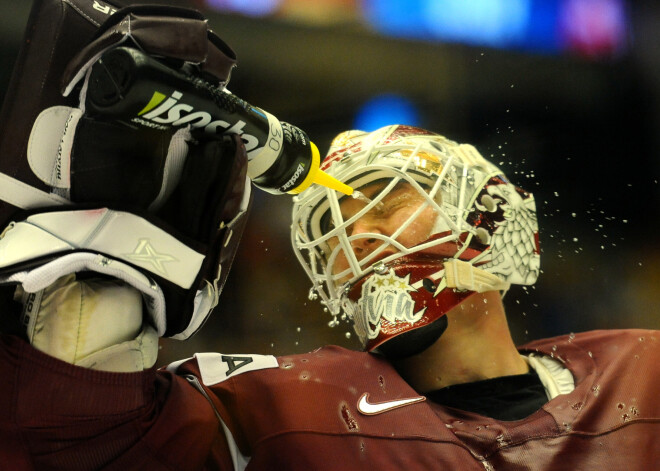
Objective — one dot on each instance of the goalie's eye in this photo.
(401, 197)
(327, 223)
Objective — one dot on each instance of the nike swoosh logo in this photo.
(368, 408)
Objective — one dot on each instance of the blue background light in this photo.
(396, 18)
(489, 22)
(383, 110)
(592, 28)
(245, 7)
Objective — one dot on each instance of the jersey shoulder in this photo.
(621, 338)
(214, 368)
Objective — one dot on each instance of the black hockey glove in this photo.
(161, 211)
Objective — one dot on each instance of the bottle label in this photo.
(262, 158)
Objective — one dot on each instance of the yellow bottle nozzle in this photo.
(326, 180)
(318, 176)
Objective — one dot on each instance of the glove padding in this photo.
(177, 257)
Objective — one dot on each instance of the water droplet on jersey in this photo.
(350, 421)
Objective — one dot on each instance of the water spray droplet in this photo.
(358, 195)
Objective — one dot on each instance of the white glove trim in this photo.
(50, 144)
(39, 278)
(24, 196)
(118, 234)
(173, 168)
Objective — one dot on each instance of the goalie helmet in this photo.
(450, 225)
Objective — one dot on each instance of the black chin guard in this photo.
(414, 341)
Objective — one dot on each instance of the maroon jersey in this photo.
(330, 409)
(54, 415)
(338, 409)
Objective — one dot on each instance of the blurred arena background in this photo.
(563, 94)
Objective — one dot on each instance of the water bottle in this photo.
(132, 87)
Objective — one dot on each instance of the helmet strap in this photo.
(465, 276)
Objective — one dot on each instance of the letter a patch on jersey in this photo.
(217, 367)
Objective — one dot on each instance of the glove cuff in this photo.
(94, 323)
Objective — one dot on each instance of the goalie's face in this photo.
(385, 251)
(402, 208)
